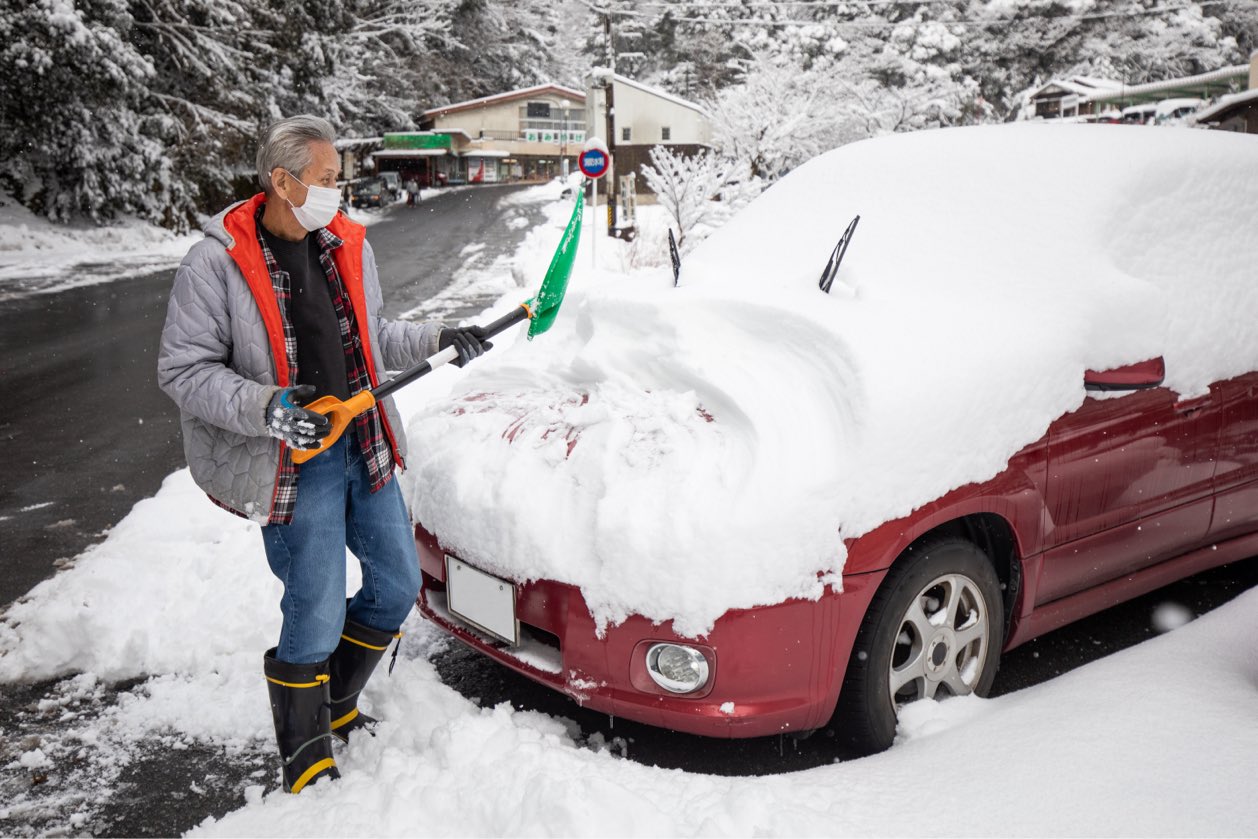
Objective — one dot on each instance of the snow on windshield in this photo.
(677, 452)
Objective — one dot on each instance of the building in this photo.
(1235, 112)
(357, 155)
(431, 159)
(642, 117)
(1081, 97)
(523, 134)
(1066, 97)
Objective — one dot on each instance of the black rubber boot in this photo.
(300, 703)
(351, 665)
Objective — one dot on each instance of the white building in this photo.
(524, 134)
(642, 117)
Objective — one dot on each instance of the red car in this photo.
(973, 299)
(1120, 497)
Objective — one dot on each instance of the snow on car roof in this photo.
(677, 452)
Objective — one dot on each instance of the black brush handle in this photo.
(425, 367)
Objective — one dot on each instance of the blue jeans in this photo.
(336, 508)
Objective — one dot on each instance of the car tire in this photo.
(908, 639)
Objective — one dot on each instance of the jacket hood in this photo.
(216, 227)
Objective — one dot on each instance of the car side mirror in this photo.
(1139, 376)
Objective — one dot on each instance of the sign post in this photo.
(594, 162)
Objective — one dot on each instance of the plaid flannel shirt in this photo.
(370, 426)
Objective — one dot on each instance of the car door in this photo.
(1236, 473)
(1129, 484)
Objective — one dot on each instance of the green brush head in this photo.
(545, 306)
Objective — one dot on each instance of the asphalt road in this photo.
(86, 432)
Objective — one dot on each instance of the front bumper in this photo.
(774, 669)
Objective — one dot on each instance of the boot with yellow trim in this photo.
(300, 704)
(351, 665)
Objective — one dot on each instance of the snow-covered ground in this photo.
(1156, 740)
(39, 256)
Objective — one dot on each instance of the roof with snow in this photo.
(509, 96)
(660, 93)
(1226, 105)
(1202, 84)
(1078, 85)
(1107, 90)
(346, 143)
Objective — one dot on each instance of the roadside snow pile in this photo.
(1082, 741)
(181, 588)
(42, 256)
(679, 452)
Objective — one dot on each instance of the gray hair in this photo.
(286, 145)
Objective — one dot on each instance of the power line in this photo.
(993, 21)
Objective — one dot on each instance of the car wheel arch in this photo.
(992, 533)
(990, 541)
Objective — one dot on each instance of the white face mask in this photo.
(319, 208)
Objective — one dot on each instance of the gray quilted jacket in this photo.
(216, 363)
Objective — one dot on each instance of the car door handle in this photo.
(1191, 406)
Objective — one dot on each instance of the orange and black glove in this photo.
(287, 420)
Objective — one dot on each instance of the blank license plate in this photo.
(482, 600)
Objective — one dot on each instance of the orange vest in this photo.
(247, 253)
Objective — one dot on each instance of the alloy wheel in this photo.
(942, 641)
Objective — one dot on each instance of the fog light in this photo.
(677, 669)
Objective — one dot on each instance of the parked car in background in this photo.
(1176, 111)
(370, 192)
(992, 449)
(393, 182)
(1140, 114)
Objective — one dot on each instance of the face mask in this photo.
(319, 207)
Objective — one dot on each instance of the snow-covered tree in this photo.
(152, 107)
(780, 116)
(77, 138)
(687, 187)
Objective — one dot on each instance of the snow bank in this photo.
(1084, 743)
(37, 255)
(679, 452)
(182, 589)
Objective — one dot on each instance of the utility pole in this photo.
(610, 105)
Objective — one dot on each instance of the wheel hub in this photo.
(939, 655)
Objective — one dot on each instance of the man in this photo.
(280, 303)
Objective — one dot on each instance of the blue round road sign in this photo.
(593, 163)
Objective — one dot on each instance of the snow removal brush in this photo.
(540, 312)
